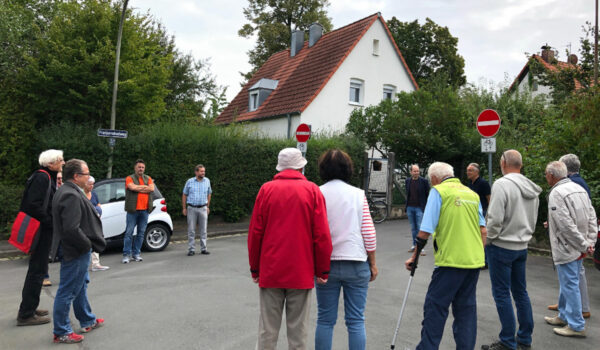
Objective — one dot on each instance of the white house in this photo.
(526, 81)
(321, 81)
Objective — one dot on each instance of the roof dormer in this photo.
(258, 93)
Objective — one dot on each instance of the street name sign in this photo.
(112, 133)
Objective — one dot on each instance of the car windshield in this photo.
(110, 191)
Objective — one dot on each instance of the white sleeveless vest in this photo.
(344, 213)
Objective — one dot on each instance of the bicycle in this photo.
(378, 208)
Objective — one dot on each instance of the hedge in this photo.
(237, 162)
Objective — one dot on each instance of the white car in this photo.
(111, 194)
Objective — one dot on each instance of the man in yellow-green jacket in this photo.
(454, 216)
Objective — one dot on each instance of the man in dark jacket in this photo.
(417, 190)
(37, 202)
(78, 226)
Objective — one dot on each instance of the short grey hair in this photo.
(474, 165)
(440, 170)
(72, 167)
(91, 179)
(512, 158)
(412, 165)
(572, 162)
(558, 170)
(50, 156)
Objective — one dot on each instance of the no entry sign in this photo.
(488, 123)
(303, 133)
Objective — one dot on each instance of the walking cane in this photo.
(412, 273)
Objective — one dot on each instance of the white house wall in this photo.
(275, 127)
(542, 89)
(330, 110)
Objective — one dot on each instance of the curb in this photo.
(11, 253)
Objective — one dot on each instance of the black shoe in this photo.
(521, 346)
(205, 252)
(191, 253)
(497, 345)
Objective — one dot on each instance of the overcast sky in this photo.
(493, 36)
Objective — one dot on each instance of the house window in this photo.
(356, 91)
(389, 91)
(375, 47)
(253, 105)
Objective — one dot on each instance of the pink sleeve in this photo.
(367, 228)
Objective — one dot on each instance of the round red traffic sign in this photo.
(302, 133)
(488, 123)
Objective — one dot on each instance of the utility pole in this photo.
(596, 47)
(113, 108)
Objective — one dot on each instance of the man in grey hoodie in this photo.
(511, 219)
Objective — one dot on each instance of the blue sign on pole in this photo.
(119, 134)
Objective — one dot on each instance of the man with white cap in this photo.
(289, 245)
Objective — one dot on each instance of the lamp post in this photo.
(113, 108)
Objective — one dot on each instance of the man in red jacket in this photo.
(288, 245)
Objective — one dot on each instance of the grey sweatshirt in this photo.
(512, 212)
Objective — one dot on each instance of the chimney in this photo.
(297, 42)
(572, 59)
(315, 32)
(547, 53)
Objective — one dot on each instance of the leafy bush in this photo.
(11, 200)
(237, 163)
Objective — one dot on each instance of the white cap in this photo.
(290, 158)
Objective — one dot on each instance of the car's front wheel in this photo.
(157, 237)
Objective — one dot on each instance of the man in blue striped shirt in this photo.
(195, 201)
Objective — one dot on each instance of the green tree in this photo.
(422, 126)
(428, 50)
(272, 21)
(194, 95)
(70, 75)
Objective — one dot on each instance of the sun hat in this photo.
(290, 158)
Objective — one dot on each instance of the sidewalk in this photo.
(215, 228)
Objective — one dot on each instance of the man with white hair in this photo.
(573, 165)
(37, 203)
(289, 244)
(573, 228)
(454, 216)
(511, 219)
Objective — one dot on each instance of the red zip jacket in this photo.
(288, 238)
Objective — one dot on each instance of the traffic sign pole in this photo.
(488, 124)
(303, 132)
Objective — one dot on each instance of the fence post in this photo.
(391, 162)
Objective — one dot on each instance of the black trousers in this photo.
(38, 268)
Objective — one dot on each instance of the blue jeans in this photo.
(73, 289)
(353, 277)
(569, 297)
(507, 274)
(415, 215)
(454, 286)
(139, 219)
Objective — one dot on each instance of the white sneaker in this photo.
(125, 259)
(100, 268)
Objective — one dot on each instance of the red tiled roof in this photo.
(554, 68)
(302, 77)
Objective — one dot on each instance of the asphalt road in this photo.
(171, 301)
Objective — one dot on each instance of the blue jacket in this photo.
(576, 178)
(423, 191)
